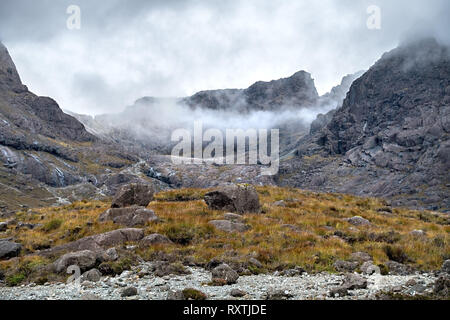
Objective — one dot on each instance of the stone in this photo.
(155, 239)
(446, 266)
(358, 221)
(92, 275)
(341, 291)
(225, 274)
(84, 259)
(130, 216)
(129, 292)
(90, 297)
(238, 198)
(360, 257)
(133, 195)
(280, 203)
(110, 254)
(442, 285)
(3, 226)
(399, 269)
(354, 281)
(233, 217)
(9, 249)
(369, 268)
(238, 293)
(99, 242)
(165, 268)
(418, 234)
(175, 295)
(228, 226)
(276, 294)
(255, 263)
(345, 266)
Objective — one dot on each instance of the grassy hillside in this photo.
(310, 231)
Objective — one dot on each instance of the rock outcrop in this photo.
(234, 198)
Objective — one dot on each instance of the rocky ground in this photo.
(255, 287)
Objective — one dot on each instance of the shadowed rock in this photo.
(130, 216)
(229, 226)
(155, 239)
(84, 259)
(133, 195)
(9, 249)
(234, 198)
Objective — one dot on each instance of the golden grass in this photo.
(318, 216)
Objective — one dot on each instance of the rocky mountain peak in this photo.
(8, 72)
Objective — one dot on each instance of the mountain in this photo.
(390, 138)
(43, 150)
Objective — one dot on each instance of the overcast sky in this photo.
(129, 49)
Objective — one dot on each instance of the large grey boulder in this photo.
(92, 275)
(229, 226)
(358, 221)
(9, 249)
(238, 198)
(133, 195)
(446, 266)
(130, 216)
(84, 259)
(345, 266)
(224, 274)
(99, 242)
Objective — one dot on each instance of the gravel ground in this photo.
(150, 287)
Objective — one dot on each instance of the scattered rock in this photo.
(224, 274)
(186, 294)
(255, 263)
(358, 221)
(234, 198)
(238, 293)
(155, 239)
(89, 297)
(442, 286)
(345, 266)
(85, 260)
(129, 292)
(165, 268)
(9, 249)
(133, 195)
(92, 275)
(23, 225)
(297, 271)
(338, 292)
(110, 255)
(229, 226)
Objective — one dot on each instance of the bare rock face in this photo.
(133, 195)
(130, 216)
(234, 198)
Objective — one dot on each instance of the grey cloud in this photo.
(129, 49)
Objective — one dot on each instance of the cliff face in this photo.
(391, 135)
(293, 92)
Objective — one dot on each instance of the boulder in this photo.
(354, 281)
(233, 217)
(361, 257)
(165, 268)
(92, 275)
(446, 266)
(238, 293)
(3, 226)
(130, 216)
(277, 295)
(345, 266)
(85, 260)
(358, 221)
(224, 274)
(155, 239)
(442, 285)
(280, 203)
(399, 269)
(133, 195)
(418, 234)
(229, 226)
(129, 292)
(99, 242)
(369, 268)
(234, 198)
(110, 255)
(9, 249)
(186, 294)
